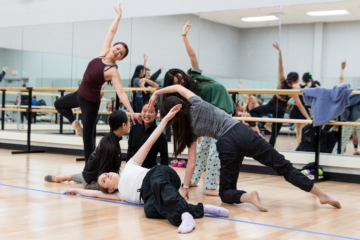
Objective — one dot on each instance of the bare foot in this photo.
(212, 192)
(77, 127)
(254, 199)
(325, 199)
(193, 185)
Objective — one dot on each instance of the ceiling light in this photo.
(260, 19)
(328, 13)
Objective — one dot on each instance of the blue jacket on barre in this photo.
(326, 104)
(352, 112)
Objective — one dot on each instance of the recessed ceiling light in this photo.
(328, 13)
(260, 19)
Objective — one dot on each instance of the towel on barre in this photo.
(326, 104)
(352, 112)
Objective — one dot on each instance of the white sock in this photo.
(217, 211)
(187, 224)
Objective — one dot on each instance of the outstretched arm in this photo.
(157, 74)
(246, 97)
(343, 66)
(152, 83)
(111, 33)
(122, 95)
(281, 68)
(92, 194)
(190, 168)
(141, 154)
(177, 88)
(189, 48)
(301, 107)
(145, 59)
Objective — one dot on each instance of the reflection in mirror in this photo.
(316, 48)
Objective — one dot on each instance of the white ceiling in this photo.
(293, 14)
(34, 12)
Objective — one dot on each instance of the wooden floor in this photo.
(30, 214)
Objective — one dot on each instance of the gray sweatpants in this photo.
(78, 177)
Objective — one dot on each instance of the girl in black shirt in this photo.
(105, 158)
(138, 135)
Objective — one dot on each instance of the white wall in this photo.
(32, 12)
(226, 53)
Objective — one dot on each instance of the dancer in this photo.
(296, 113)
(100, 70)
(157, 188)
(277, 105)
(235, 140)
(105, 158)
(139, 81)
(154, 77)
(138, 135)
(212, 92)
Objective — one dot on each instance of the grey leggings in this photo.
(78, 177)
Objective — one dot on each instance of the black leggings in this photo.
(276, 112)
(160, 192)
(232, 150)
(89, 114)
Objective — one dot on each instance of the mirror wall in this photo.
(232, 47)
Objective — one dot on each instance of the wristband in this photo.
(183, 35)
(184, 186)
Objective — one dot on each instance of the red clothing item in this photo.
(93, 80)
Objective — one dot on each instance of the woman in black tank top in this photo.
(296, 113)
(100, 70)
(277, 105)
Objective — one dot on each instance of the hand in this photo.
(136, 117)
(343, 64)
(173, 112)
(118, 10)
(5, 69)
(186, 28)
(276, 46)
(162, 67)
(71, 191)
(145, 57)
(185, 193)
(240, 82)
(152, 100)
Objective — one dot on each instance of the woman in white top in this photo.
(157, 188)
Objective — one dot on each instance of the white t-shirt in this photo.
(131, 180)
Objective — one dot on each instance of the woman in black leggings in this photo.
(100, 70)
(277, 105)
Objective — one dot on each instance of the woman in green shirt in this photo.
(211, 91)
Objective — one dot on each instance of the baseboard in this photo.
(332, 176)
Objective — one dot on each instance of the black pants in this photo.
(160, 192)
(22, 115)
(89, 115)
(232, 150)
(276, 112)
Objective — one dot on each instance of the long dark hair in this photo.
(109, 153)
(137, 73)
(184, 80)
(181, 123)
